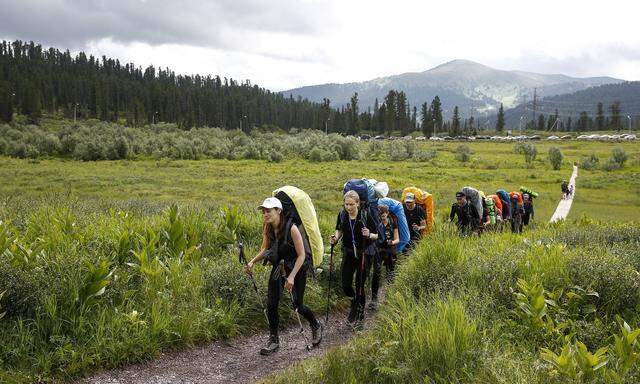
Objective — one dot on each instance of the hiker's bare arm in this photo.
(335, 237)
(299, 245)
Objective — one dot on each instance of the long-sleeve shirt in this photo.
(467, 215)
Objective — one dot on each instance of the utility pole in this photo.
(535, 99)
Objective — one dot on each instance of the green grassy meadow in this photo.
(71, 228)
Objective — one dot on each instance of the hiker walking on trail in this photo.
(357, 230)
(468, 216)
(286, 253)
(565, 189)
(386, 253)
(416, 218)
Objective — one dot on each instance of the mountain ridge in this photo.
(472, 86)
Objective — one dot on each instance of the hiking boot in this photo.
(316, 334)
(373, 304)
(353, 312)
(272, 345)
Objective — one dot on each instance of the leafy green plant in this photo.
(625, 348)
(463, 153)
(231, 221)
(2, 313)
(555, 157)
(575, 361)
(95, 282)
(533, 305)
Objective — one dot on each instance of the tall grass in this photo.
(484, 310)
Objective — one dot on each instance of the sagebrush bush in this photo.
(589, 162)
(619, 156)
(463, 153)
(555, 157)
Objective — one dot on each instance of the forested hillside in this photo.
(35, 80)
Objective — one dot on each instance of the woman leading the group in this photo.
(289, 270)
(357, 230)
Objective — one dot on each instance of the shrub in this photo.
(555, 157)
(619, 156)
(463, 153)
(529, 151)
(589, 162)
(274, 157)
(425, 155)
(397, 151)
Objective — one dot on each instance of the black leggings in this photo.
(386, 256)
(351, 265)
(274, 291)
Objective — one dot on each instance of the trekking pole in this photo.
(243, 260)
(360, 290)
(326, 318)
(283, 274)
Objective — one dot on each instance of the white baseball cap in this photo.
(271, 202)
(409, 198)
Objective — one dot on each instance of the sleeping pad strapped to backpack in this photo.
(368, 206)
(474, 198)
(531, 192)
(425, 200)
(506, 203)
(497, 204)
(397, 209)
(491, 209)
(299, 210)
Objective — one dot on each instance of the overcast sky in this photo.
(281, 44)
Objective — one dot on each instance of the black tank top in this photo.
(285, 250)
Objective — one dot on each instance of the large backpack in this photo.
(531, 192)
(425, 200)
(397, 209)
(298, 209)
(368, 206)
(506, 203)
(497, 203)
(473, 195)
(491, 209)
(517, 203)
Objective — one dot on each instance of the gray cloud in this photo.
(223, 24)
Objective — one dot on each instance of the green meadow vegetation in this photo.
(104, 263)
(556, 305)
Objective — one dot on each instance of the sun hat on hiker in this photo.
(271, 202)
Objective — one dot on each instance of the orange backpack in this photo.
(425, 200)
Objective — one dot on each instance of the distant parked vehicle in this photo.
(553, 138)
(421, 138)
(566, 137)
(379, 137)
(365, 137)
(534, 137)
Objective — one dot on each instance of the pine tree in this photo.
(354, 121)
(6, 104)
(426, 120)
(436, 113)
(616, 120)
(455, 122)
(402, 121)
(390, 116)
(600, 117)
(500, 121)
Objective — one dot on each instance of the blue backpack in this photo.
(368, 206)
